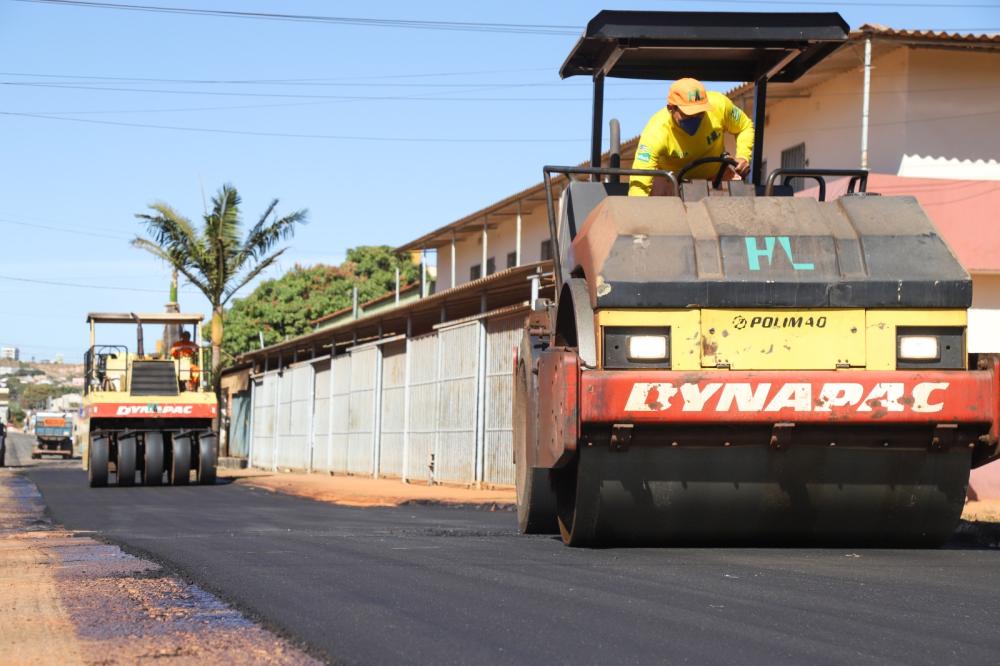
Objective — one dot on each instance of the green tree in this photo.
(283, 307)
(215, 258)
(36, 396)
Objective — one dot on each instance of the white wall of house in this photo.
(828, 121)
(964, 87)
(984, 315)
(932, 114)
(499, 242)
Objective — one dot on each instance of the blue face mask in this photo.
(690, 125)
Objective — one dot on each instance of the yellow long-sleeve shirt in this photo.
(664, 145)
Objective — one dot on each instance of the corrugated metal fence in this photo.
(435, 407)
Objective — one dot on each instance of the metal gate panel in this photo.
(262, 454)
(502, 338)
(361, 414)
(393, 420)
(339, 410)
(321, 416)
(239, 424)
(422, 427)
(455, 453)
(294, 417)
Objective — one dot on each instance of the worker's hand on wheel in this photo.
(742, 168)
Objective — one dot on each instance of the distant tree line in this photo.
(282, 308)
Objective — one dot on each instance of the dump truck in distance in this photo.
(143, 415)
(53, 434)
(731, 363)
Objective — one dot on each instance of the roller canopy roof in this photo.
(712, 46)
(144, 317)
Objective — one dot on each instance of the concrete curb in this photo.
(232, 463)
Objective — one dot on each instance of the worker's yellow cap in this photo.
(688, 95)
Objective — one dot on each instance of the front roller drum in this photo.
(180, 460)
(536, 498)
(208, 455)
(97, 461)
(656, 495)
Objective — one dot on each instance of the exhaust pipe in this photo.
(615, 159)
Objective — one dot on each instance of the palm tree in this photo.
(215, 259)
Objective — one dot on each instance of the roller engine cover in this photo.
(792, 252)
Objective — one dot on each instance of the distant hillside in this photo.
(56, 373)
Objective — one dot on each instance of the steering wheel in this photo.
(724, 161)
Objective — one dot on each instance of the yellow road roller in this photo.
(146, 418)
(733, 364)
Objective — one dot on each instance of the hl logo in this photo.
(754, 253)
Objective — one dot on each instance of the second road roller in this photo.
(733, 364)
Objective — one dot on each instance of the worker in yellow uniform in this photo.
(185, 348)
(690, 127)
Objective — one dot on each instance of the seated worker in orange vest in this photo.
(690, 127)
(184, 348)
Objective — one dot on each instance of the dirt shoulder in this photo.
(367, 492)
(361, 491)
(986, 511)
(66, 598)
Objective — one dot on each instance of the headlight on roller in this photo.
(628, 347)
(647, 347)
(925, 347)
(919, 348)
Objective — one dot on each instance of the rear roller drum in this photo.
(578, 492)
(208, 453)
(152, 468)
(97, 462)
(180, 461)
(125, 462)
(809, 494)
(536, 499)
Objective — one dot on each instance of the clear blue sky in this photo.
(74, 172)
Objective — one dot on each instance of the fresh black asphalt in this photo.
(435, 585)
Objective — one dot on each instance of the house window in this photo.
(546, 251)
(491, 265)
(511, 259)
(476, 272)
(795, 158)
(763, 170)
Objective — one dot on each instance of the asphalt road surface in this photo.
(449, 585)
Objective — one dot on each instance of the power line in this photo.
(336, 137)
(461, 26)
(96, 80)
(901, 5)
(339, 79)
(226, 93)
(66, 230)
(78, 285)
(775, 96)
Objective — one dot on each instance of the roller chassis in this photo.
(598, 470)
(789, 434)
(150, 445)
(152, 453)
(144, 421)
